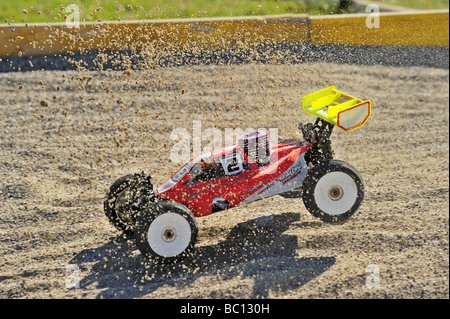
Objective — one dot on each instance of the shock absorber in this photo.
(318, 134)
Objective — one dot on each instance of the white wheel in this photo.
(166, 232)
(333, 191)
(169, 234)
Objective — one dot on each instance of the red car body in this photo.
(235, 178)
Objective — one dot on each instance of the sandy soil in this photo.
(66, 136)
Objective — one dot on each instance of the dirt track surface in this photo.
(66, 136)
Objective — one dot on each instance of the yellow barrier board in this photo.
(414, 28)
(429, 28)
(182, 34)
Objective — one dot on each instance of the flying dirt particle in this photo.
(39, 12)
(19, 54)
(117, 141)
(45, 103)
(24, 11)
(20, 87)
(38, 116)
(128, 72)
(27, 234)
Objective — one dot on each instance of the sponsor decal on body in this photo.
(287, 181)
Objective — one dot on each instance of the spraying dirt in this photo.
(65, 136)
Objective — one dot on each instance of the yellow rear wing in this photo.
(338, 108)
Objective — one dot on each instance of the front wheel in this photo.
(124, 199)
(166, 232)
(333, 191)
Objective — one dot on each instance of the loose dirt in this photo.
(66, 136)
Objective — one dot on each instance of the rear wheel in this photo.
(166, 232)
(333, 191)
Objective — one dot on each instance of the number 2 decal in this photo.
(232, 163)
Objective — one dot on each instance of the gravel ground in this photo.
(65, 136)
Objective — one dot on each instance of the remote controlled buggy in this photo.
(163, 220)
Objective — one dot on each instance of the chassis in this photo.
(163, 220)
